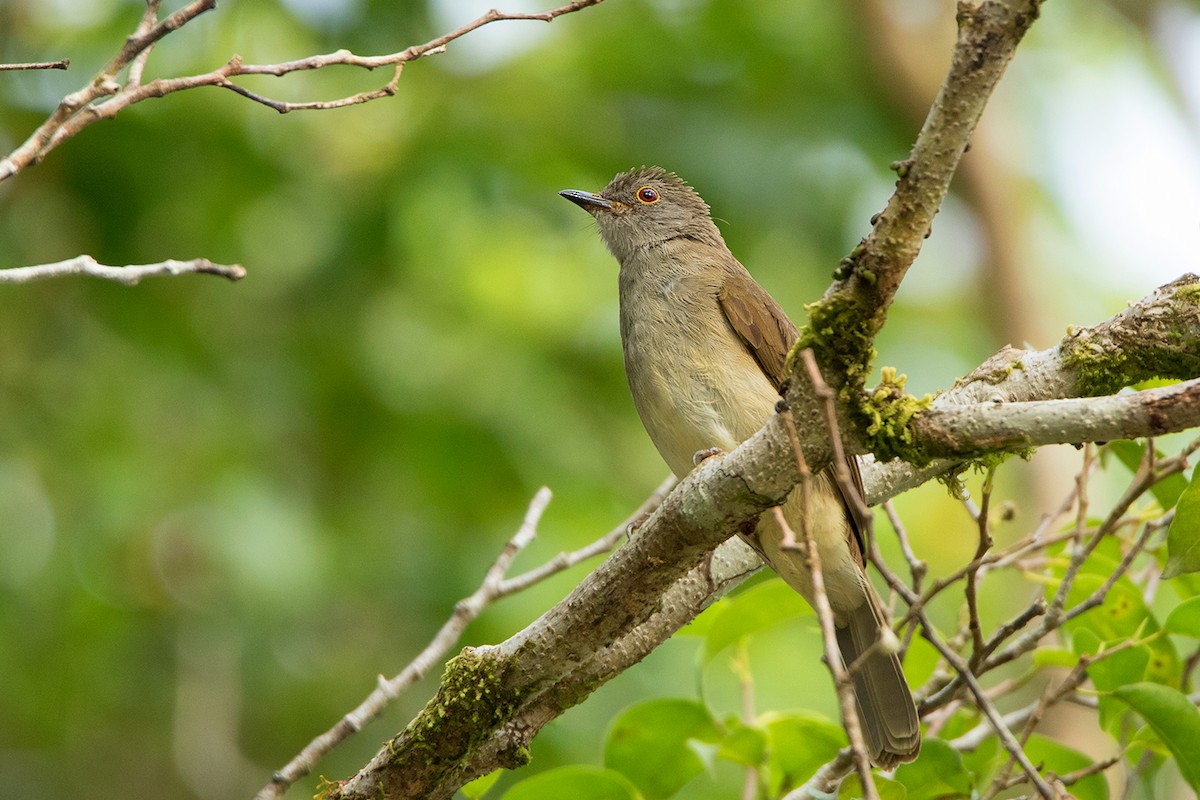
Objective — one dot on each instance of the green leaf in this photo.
(1060, 760)
(1184, 619)
(1054, 657)
(1174, 719)
(1130, 453)
(851, 788)
(938, 772)
(576, 782)
(752, 611)
(743, 744)
(1111, 672)
(1183, 537)
(478, 787)
(798, 744)
(650, 743)
(983, 761)
(1122, 615)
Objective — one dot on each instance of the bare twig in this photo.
(916, 566)
(1072, 778)
(130, 274)
(841, 472)
(988, 708)
(804, 487)
(105, 95)
(1081, 491)
(1052, 696)
(983, 731)
(602, 545)
(833, 659)
(985, 544)
(64, 63)
(824, 782)
(493, 587)
(149, 20)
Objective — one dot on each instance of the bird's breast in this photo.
(694, 384)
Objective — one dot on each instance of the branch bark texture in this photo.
(843, 325)
(492, 700)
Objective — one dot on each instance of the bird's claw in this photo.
(704, 455)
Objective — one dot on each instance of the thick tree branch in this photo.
(645, 591)
(659, 580)
(652, 586)
(492, 700)
(1157, 336)
(965, 431)
(843, 324)
(495, 585)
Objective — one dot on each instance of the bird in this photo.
(705, 349)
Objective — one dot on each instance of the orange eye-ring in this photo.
(647, 195)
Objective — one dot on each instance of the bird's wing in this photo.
(760, 323)
(769, 335)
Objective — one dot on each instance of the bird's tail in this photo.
(889, 718)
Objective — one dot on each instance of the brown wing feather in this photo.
(755, 316)
(769, 335)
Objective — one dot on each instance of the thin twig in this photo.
(493, 587)
(105, 95)
(916, 566)
(804, 486)
(983, 731)
(129, 275)
(1072, 778)
(824, 782)
(988, 708)
(602, 545)
(64, 63)
(985, 544)
(833, 659)
(838, 466)
(149, 20)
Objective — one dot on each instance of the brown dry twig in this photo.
(812, 559)
(106, 95)
(833, 659)
(63, 63)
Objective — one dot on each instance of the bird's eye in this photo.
(647, 195)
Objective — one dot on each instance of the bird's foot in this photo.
(635, 524)
(704, 455)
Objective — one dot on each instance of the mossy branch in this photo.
(842, 326)
(1003, 405)
(493, 700)
(649, 588)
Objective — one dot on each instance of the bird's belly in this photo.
(692, 398)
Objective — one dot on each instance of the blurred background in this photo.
(225, 508)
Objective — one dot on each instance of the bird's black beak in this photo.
(586, 200)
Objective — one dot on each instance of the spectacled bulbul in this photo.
(705, 350)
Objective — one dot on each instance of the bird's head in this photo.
(645, 207)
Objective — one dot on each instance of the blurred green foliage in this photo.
(225, 508)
